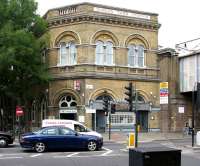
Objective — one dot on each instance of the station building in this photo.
(95, 51)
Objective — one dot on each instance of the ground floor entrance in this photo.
(143, 120)
(70, 116)
(100, 121)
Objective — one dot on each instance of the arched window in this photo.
(136, 55)
(140, 99)
(104, 96)
(63, 54)
(140, 56)
(67, 54)
(34, 110)
(109, 53)
(104, 53)
(67, 101)
(43, 109)
(99, 52)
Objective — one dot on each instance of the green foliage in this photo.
(22, 41)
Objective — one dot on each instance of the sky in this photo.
(179, 19)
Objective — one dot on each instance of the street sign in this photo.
(19, 111)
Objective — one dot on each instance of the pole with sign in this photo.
(19, 113)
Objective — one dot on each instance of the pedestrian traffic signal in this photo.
(129, 94)
(113, 108)
(105, 105)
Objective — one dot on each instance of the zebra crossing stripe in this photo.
(73, 154)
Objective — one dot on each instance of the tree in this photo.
(23, 38)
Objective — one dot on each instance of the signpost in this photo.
(19, 112)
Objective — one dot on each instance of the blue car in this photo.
(58, 137)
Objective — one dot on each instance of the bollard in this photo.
(131, 140)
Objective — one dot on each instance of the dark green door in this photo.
(143, 120)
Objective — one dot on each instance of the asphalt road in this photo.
(112, 154)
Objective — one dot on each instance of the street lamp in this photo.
(47, 102)
(1, 118)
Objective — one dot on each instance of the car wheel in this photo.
(40, 147)
(92, 145)
(3, 142)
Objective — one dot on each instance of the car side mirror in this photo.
(76, 134)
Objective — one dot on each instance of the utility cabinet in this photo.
(154, 156)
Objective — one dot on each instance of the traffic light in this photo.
(105, 105)
(113, 108)
(129, 94)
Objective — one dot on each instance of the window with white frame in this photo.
(136, 55)
(67, 101)
(104, 53)
(67, 54)
(122, 119)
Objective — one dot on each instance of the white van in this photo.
(74, 125)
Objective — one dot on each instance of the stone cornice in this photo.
(105, 19)
(104, 76)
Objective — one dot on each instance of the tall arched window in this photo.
(67, 54)
(136, 55)
(104, 53)
(140, 56)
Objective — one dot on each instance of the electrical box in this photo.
(154, 156)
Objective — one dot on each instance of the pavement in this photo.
(143, 137)
(122, 137)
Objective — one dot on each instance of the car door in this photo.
(50, 136)
(71, 139)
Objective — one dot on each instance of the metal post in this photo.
(95, 121)
(109, 124)
(136, 120)
(193, 114)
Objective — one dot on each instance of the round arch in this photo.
(104, 32)
(102, 91)
(145, 96)
(67, 33)
(139, 37)
(61, 93)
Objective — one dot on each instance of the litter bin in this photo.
(198, 138)
(155, 156)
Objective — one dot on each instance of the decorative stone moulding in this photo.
(118, 21)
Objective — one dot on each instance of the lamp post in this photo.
(47, 102)
(1, 118)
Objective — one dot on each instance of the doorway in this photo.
(143, 120)
(69, 116)
(100, 121)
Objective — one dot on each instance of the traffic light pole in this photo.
(109, 125)
(136, 120)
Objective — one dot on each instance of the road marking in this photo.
(10, 158)
(73, 154)
(106, 153)
(124, 150)
(35, 155)
(10, 154)
(106, 149)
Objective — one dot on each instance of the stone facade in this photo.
(85, 81)
(171, 120)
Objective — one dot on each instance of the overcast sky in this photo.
(179, 19)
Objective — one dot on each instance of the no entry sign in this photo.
(19, 111)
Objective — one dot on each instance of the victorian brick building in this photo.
(95, 51)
